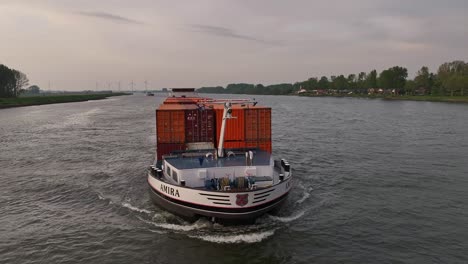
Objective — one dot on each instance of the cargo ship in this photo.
(214, 159)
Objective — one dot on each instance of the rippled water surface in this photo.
(375, 181)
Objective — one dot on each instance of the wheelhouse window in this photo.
(174, 176)
(168, 170)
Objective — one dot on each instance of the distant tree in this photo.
(217, 89)
(371, 80)
(361, 79)
(410, 87)
(324, 83)
(7, 82)
(310, 84)
(341, 83)
(352, 81)
(392, 78)
(424, 78)
(21, 81)
(456, 83)
(282, 88)
(33, 89)
(331, 83)
(259, 89)
(451, 77)
(385, 79)
(464, 85)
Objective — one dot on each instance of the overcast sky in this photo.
(74, 44)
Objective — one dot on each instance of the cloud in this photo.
(111, 17)
(224, 32)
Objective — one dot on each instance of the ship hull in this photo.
(191, 210)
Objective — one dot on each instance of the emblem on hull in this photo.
(242, 199)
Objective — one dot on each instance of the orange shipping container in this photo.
(235, 130)
(263, 145)
(234, 144)
(170, 126)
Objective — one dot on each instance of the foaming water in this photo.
(235, 239)
(305, 194)
(157, 231)
(136, 209)
(304, 197)
(287, 219)
(184, 226)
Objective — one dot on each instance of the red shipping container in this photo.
(170, 126)
(199, 125)
(251, 144)
(264, 124)
(257, 124)
(266, 146)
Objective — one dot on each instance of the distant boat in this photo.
(149, 94)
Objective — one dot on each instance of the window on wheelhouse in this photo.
(174, 176)
(168, 170)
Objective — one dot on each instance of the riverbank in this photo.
(53, 99)
(427, 98)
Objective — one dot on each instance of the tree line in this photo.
(11, 82)
(451, 79)
(245, 88)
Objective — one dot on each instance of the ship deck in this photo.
(261, 158)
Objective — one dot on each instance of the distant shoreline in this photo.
(424, 98)
(52, 99)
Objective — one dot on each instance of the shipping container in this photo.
(179, 123)
(170, 126)
(265, 145)
(257, 124)
(234, 130)
(199, 125)
(167, 148)
(234, 144)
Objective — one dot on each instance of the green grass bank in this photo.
(52, 99)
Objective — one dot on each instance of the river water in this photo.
(375, 182)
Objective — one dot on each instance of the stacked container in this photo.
(178, 124)
(182, 120)
(199, 125)
(250, 127)
(258, 128)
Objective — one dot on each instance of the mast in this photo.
(226, 115)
